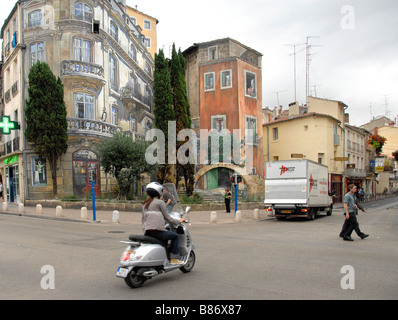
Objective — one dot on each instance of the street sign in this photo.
(6, 125)
(297, 156)
(341, 159)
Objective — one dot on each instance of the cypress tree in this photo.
(46, 125)
(182, 112)
(164, 111)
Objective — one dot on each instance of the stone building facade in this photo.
(107, 72)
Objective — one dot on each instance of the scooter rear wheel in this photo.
(134, 281)
(190, 263)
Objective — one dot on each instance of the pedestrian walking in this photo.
(346, 221)
(350, 208)
(227, 197)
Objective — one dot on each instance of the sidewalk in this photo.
(74, 215)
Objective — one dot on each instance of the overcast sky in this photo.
(354, 45)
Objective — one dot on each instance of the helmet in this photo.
(154, 189)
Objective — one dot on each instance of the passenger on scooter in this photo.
(154, 214)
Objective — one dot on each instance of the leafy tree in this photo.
(46, 125)
(164, 111)
(126, 159)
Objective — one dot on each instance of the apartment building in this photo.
(224, 90)
(107, 72)
(310, 135)
(147, 26)
(358, 169)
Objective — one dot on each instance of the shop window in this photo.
(39, 171)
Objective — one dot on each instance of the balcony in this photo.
(355, 173)
(84, 71)
(129, 93)
(86, 127)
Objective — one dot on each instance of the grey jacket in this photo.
(155, 217)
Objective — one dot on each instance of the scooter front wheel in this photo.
(134, 281)
(190, 263)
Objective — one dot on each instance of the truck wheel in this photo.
(312, 214)
(330, 210)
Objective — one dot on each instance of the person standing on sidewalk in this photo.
(227, 197)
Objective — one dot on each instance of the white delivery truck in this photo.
(296, 188)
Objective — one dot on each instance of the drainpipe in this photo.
(23, 89)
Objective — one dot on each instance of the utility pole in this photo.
(294, 45)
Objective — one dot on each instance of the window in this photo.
(39, 172)
(113, 31)
(83, 12)
(147, 42)
(275, 134)
(147, 68)
(209, 81)
(213, 53)
(81, 50)
(36, 53)
(250, 84)
(113, 72)
(133, 123)
(84, 106)
(320, 158)
(34, 18)
(218, 122)
(114, 115)
(133, 52)
(251, 129)
(226, 79)
(147, 24)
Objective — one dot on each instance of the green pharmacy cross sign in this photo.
(6, 125)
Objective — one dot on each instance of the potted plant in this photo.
(377, 142)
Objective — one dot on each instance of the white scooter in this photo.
(147, 257)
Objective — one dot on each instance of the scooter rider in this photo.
(154, 214)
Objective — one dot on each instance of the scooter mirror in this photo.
(187, 209)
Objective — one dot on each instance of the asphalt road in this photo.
(259, 260)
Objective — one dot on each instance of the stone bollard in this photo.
(5, 206)
(213, 217)
(83, 213)
(39, 209)
(238, 216)
(115, 216)
(58, 211)
(256, 214)
(21, 208)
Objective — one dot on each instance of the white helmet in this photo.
(154, 189)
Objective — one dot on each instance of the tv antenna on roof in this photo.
(294, 45)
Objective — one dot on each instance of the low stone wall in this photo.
(134, 206)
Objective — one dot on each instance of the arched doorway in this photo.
(86, 168)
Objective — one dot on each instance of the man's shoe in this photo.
(341, 235)
(175, 261)
(363, 236)
(346, 238)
